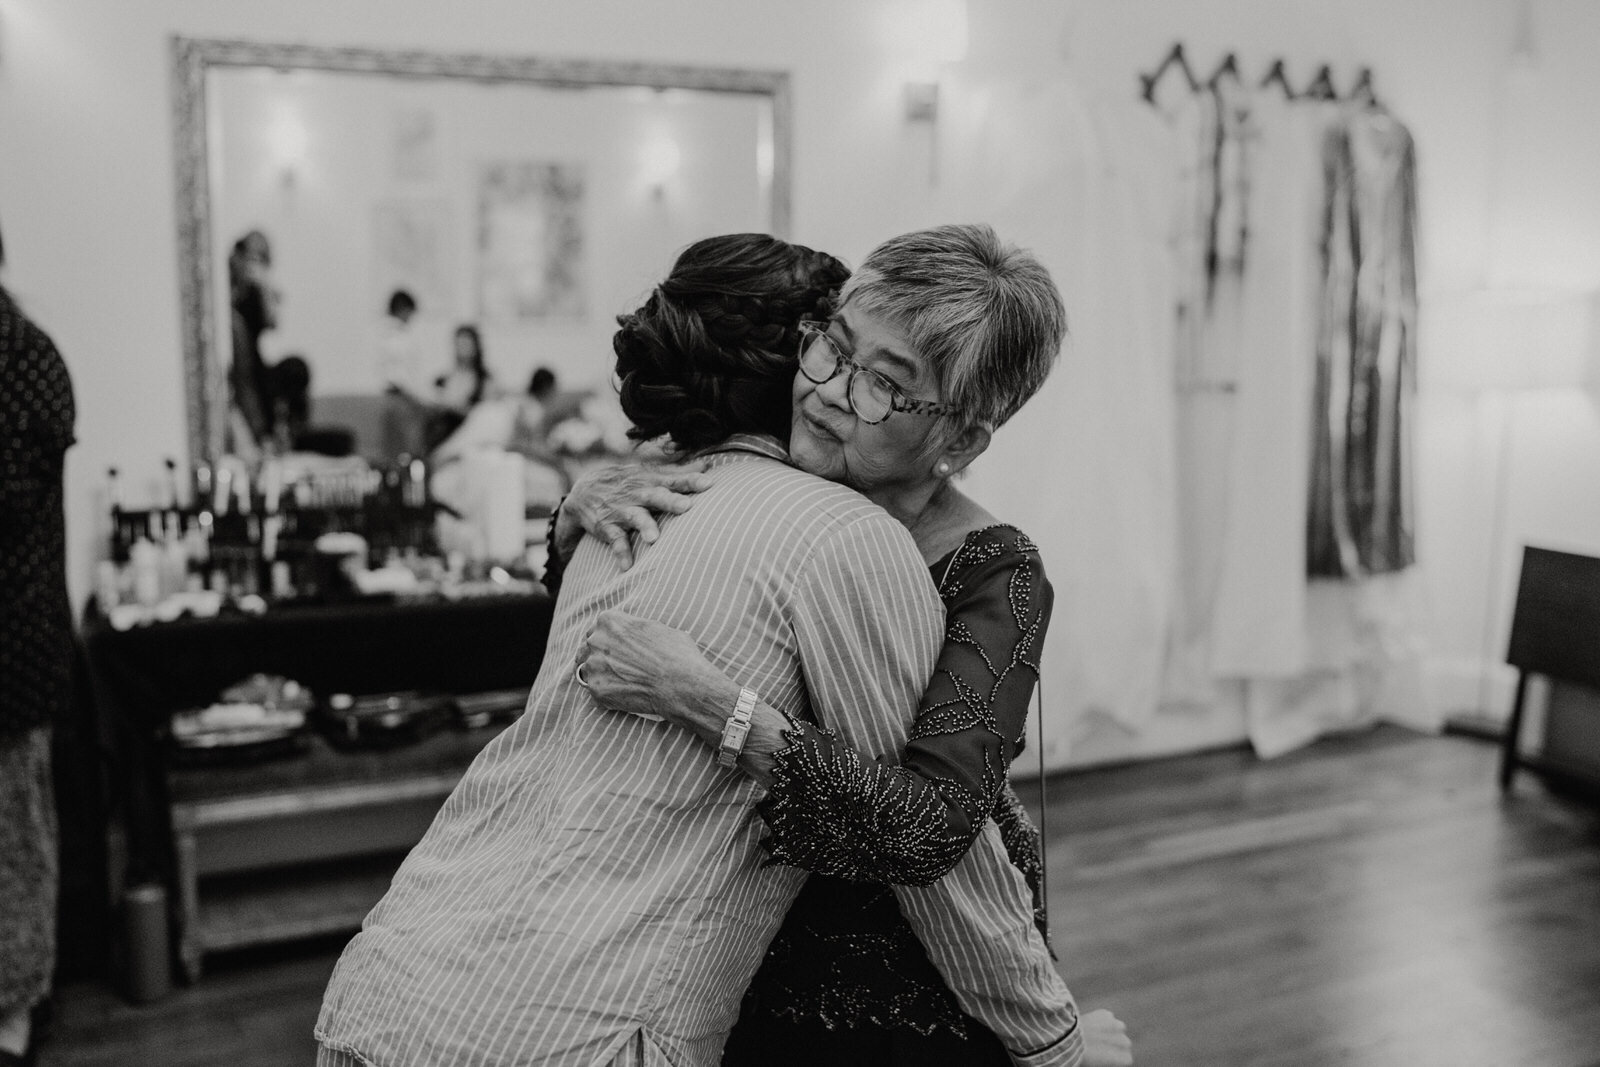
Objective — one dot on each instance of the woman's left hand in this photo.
(615, 502)
(641, 666)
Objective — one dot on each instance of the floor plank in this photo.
(1369, 901)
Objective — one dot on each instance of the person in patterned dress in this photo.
(36, 419)
(954, 315)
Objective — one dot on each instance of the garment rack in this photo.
(1320, 87)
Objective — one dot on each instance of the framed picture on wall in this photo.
(415, 142)
(530, 242)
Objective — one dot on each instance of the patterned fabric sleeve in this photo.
(832, 810)
(36, 429)
(555, 567)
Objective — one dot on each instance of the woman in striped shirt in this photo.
(951, 314)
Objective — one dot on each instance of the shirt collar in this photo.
(759, 443)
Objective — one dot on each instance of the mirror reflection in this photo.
(419, 260)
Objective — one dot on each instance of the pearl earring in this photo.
(943, 468)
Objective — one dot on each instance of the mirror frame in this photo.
(205, 378)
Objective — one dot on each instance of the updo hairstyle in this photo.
(713, 350)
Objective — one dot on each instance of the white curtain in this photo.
(1163, 469)
(1086, 467)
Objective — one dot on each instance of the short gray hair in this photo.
(985, 314)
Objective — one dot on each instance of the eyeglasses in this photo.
(872, 397)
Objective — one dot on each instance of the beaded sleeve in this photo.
(555, 567)
(833, 811)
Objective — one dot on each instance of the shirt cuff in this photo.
(1068, 1051)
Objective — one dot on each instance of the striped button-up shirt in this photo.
(593, 890)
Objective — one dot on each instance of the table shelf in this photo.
(303, 844)
(288, 905)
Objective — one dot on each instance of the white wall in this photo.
(1506, 180)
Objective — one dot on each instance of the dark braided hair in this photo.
(713, 350)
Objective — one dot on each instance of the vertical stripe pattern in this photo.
(593, 889)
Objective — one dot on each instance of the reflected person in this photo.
(460, 389)
(254, 304)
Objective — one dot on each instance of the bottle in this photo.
(144, 932)
(417, 484)
(271, 485)
(107, 586)
(223, 532)
(223, 494)
(197, 552)
(145, 559)
(174, 556)
(418, 520)
(119, 541)
(174, 502)
(252, 563)
(270, 526)
(200, 529)
(200, 487)
(211, 566)
(282, 580)
(244, 493)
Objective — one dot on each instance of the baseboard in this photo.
(1475, 724)
(1021, 774)
(1460, 688)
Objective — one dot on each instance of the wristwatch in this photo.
(736, 729)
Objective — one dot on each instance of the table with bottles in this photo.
(293, 843)
(288, 530)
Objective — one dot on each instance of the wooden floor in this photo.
(1369, 901)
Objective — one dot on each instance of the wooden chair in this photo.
(1555, 632)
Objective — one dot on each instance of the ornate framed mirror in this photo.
(531, 198)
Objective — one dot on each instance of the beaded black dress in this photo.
(36, 429)
(846, 980)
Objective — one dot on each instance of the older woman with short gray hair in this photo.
(986, 315)
(936, 341)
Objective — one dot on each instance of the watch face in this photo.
(736, 729)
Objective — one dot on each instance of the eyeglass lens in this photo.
(871, 398)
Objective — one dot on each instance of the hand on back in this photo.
(641, 666)
(616, 503)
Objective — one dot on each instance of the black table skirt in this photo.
(139, 677)
(464, 646)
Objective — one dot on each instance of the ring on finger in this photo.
(579, 674)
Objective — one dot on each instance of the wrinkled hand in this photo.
(613, 503)
(1105, 1040)
(641, 666)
